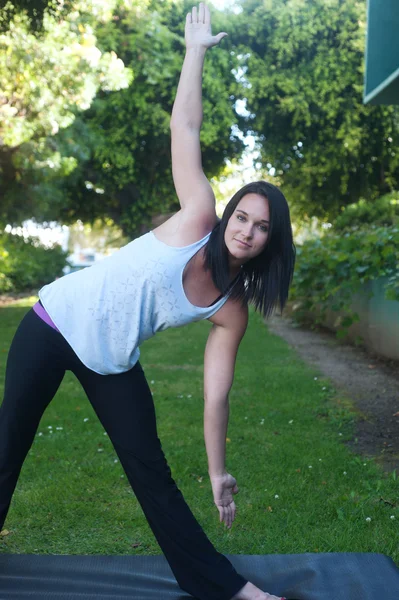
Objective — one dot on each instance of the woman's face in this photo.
(247, 230)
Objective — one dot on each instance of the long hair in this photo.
(264, 280)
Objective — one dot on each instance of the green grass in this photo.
(301, 489)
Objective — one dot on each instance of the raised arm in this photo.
(192, 187)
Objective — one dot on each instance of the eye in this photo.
(264, 228)
(240, 217)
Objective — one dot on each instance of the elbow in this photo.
(216, 399)
(181, 123)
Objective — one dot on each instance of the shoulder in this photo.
(186, 227)
(233, 316)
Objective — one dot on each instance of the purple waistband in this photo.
(41, 312)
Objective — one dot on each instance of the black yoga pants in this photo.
(37, 361)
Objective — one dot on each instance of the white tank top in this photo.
(107, 310)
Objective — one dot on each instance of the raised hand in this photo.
(198, 31)
(223, 488)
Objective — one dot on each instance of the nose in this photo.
(247, 230)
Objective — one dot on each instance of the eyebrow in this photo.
(246, 214)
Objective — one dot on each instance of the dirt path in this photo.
(371, 382)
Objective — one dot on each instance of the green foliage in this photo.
(101, 235)
(331, 269)
(73, 149)
(26, 264)
(47, 78)
(113, 160)
(304, 72)
(34, 9)
(129, 161)
(382, 211)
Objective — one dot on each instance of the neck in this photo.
(234, 266)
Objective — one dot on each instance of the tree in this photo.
(113, 159)
(127, 175)
(34, 9)
(303, 65)
(46, 79)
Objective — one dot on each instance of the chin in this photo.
(236, 254)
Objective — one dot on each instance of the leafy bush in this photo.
(384, 212)
(330, 270)
(27, 264)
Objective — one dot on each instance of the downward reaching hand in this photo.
(223, 488)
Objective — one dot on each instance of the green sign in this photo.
(382, 53)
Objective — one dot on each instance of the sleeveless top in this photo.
(107, 310)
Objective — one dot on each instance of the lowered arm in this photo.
(220, 357)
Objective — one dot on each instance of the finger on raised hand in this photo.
(207, 15)
(194, 14)
(201, 13)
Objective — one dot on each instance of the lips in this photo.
(242, 243)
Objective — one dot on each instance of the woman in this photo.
(91, 322)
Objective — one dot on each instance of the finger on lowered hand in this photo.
(221, 513)
(229, 515)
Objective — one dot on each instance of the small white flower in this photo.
(122, 476)
(324, 388)
(189, 396)
(392, 517)
(152, 381)
(85, 420)
(320, 460)
(116, 460)
(364, 464)
(40, 433)
(276, 496)
(59, 428)
(315, 378)
(345, 473)
(290, 422)
(368, 519)
(310, 467)
(51, 431)
(105, 433)
(340, 434)
(246, 418)
(100, 450)
(50, 427)
(180, 396)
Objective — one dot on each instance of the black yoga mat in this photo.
(334, 576)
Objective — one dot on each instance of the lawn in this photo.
(301, 488)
